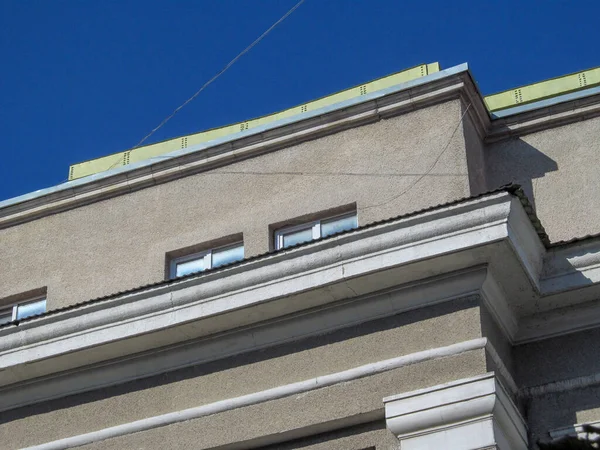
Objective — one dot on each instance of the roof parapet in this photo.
(544, 89)
(133, 155)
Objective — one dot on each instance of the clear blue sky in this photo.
(81, 79)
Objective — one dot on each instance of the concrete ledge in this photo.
(462, 415)
(264, 396)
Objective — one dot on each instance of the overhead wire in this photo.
(221, 72)
(428, 171)
(217, 75)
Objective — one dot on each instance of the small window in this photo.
(209, 259)
(21, 310)
(286, 237)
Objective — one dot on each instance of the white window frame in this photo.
(206, 255)
(314, 225)
(15, 307)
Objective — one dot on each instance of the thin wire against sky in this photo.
(221, 72)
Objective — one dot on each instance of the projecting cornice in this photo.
(485, 246)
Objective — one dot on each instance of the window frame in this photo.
(14, 307)
(314, 225)
(206, 255)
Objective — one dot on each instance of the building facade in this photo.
(415, 266)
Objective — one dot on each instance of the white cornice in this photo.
(221, 300)
(460, 415)
(313, 322)
(574, 430)
(484, 246)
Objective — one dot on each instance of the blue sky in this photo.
(82, 79)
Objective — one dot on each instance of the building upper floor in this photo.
(340, 164)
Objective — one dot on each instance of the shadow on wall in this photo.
(567, 406)
(564, 371)
(516, 161)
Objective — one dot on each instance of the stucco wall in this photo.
(560, 172)
(284, 416)
(121, 243)
(418, 330)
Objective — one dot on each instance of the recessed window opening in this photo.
(288, 236)
(208, 259)
(22, 310)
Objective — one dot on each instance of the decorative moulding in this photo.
(473, 413)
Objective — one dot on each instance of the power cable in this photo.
(427, 171)
(222, 71)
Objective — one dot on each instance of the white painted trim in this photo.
(572, 266)
(66, 352)
(461, 415)
(572, 430)
(495, 300)
(264, 285)
(287, 283)
(263, 396)
(502, 369)
(319, 321)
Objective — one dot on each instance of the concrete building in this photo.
(405, 264)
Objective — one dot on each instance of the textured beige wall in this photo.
(121, 243)
(560, 171)
(285, 415)
(399, 335)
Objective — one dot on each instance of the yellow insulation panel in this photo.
(495, 102)
(160, 148)
(543, 89)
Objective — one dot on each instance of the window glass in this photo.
(338, 225)
(6, 315)
(192, 266)
(296, 237)
(31, 309)
(227, 255)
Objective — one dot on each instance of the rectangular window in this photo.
(205, 260)
(286, 237)
(21, 310)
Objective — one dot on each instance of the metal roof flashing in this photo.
(584, 93)
(148, 163)
(549, 94)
